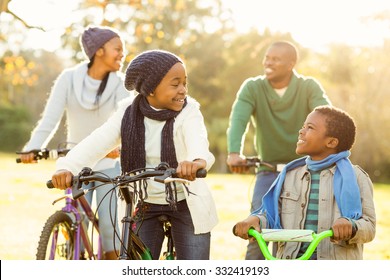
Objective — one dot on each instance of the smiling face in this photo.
(278, 62)
(313, 139)
(111, 54)
(171, 91)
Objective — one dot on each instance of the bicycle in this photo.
(63, 231)
(131, 189)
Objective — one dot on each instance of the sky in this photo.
(313, 23)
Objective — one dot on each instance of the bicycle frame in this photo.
(129, 238)
(131, 246)
(80, 232)
(284, 235)
(76, 211)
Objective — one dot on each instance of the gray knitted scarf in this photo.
(133, 134)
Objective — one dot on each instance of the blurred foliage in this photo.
(218, 60)
(14, 126)
(25, 82)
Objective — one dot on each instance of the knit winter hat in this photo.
(146, 70)
(95, 37)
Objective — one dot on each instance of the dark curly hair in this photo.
(340, 125)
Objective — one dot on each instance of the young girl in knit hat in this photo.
(161, 124)
(320, 191)
(89, 93)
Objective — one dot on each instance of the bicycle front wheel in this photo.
(57, 240)
(135, 250)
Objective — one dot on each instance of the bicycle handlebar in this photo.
(44, 154)
(257, 162)
(289, 235)
(162, 174)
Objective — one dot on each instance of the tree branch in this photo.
(4, 8)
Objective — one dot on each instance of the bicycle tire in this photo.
(57, 233)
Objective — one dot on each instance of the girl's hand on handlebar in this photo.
(62, 179)
(236, 163)
(342, 230)
(187, 169)
(241, 228)
(28, 158)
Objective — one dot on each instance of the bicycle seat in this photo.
(163, 218)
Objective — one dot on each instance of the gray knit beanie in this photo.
(94, 38)
(146, 70)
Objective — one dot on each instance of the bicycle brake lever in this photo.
(170, 180)
(61, 198)
(79, 193)
(77, 190)
(168, 173)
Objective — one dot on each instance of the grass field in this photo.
(25, 204)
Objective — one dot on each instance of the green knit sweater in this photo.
(276, 119)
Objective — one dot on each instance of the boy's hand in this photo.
(342, 230)
(241, 228)
(62, 179)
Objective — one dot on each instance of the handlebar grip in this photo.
(201, 173)
(234, 230)
(76, 193)
(49, 184)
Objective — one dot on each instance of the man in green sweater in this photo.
(277, 103)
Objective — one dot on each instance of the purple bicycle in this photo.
(66, 233)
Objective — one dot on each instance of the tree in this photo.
(4, 8)
(24, 86)
(181, 27)
(356, 81)
(218, 60)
